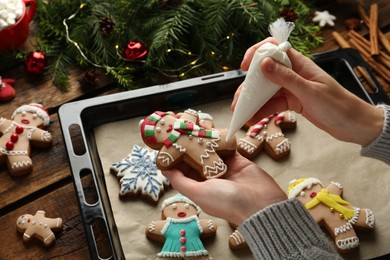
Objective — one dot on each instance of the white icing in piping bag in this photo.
(256, 89)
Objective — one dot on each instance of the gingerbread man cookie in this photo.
(327, 208)
(138, 174)
(38, 226)
(180, 137)
(181, 230)
(19, 134)
(268, 134)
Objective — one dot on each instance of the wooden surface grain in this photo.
(50, 185)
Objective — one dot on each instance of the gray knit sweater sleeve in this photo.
(286, 230)
(380, 148)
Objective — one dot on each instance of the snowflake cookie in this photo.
(138, 174)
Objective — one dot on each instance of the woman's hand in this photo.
(310, 91)
(241, 192)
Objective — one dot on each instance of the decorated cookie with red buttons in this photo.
(20, 133)
(187, 137)
(39, 226)
(267, 135)
(181, 230)
(339, 217)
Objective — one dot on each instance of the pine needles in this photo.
(184, 38)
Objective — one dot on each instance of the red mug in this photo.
(14, 36)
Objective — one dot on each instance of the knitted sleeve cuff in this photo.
(380, 148)
(286, 229)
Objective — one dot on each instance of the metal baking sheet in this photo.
(78, 120)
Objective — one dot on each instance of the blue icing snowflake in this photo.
(139, 173)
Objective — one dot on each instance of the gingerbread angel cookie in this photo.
(39, 226)
(138, 174)
(180, 137)
(181, 230)
(268, 134)
(18, 135)
(327, 208)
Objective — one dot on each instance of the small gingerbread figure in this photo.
(180, 137)
(268, 134)
(18, 135)
(327, 208)
(181, 230)
(38, 226)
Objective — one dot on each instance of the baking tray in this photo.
(78, 120)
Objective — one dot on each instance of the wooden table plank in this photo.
(71, 242)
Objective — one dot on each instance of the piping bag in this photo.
(257, 89)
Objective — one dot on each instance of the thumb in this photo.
(282, 75)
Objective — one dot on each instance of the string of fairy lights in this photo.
(175, 72)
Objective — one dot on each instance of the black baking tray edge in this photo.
(87, 114)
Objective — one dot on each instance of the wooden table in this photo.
(50, 186)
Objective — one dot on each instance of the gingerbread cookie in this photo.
(138, 174)
(268, 134)
(180, 137)
(181, 230)
(327, 208)
(19, 134)
(38, 226)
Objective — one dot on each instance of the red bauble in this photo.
(134, 51)
(36, 63)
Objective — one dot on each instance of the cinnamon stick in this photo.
(385, 42)
(340, 40)
(365, 44)
(374, 29)
(377, 67)
(363, 15)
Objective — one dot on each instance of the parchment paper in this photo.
(314, 154)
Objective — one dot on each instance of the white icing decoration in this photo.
(274, 136)
(324, 18)
(152, 226)
(139, 173)
(238, 238)
(338, 185)
(165, 158)
(247, 146)
(210, 224)
(370, 219)
(218, 168)
(348, 243)
(282, 147)
(20, 164)
(209, 149)
(6, 152)
(179, 147)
